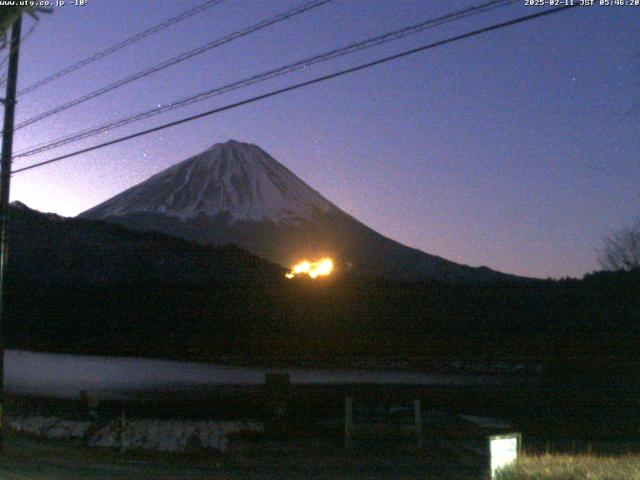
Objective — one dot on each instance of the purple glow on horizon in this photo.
(512, 150)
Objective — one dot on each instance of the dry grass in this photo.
(574, 467)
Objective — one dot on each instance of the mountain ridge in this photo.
(236, 193)
(49, 250)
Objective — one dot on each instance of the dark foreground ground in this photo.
(29, 458)
(308, 442)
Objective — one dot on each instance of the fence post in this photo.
(122, 427)
(417, 417)
(277, 393)
(348, 422)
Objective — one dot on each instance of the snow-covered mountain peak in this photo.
(236, 178)
(232, 145)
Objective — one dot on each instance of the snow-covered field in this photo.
(147, 434)
(62, 375)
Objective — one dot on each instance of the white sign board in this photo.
(503, 451)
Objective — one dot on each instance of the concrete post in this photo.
(277, 391)
(417, 417)
(348, 422)
(122, 429)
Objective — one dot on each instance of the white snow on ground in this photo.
(160, 435)
(63, 375)
(171, 435)
(50, 427)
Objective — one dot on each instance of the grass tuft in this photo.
(573, 467)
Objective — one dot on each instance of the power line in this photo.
(323, 57)
(302, 85)
(175, 60)
(354, 47)
(120, 45)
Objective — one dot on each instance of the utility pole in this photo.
(5, 182)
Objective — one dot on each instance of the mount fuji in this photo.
(236, 193)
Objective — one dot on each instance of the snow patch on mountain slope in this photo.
(235, 178)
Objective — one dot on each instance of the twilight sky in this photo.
(515, 150)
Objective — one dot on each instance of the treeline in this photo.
(572, 323)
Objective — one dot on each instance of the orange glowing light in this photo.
(321, 268)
